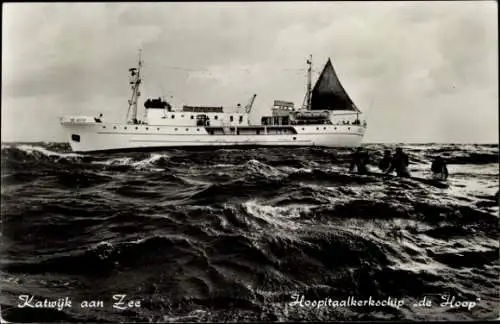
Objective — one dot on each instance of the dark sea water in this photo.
(237, 235)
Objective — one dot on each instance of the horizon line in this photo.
(368, 143)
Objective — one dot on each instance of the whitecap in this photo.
(30, 149)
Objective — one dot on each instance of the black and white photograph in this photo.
(259, 162)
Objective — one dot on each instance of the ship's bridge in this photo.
(157, 104)
(282, 108)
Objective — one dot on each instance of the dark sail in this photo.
(328, 93)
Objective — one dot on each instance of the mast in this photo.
(307, 99)
(135, 82)
(309, 82)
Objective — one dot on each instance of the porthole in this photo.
(182, 116)
(158, 129)
(124, 127)
(216, 117)
(324, 128)
(175, 128)
(147, 128)
(317, 128)
(187, 129)
(294, 138)
(302, 128)
(114, 127)
(335, 128)
(103, 126)
(137, 128)
(198, 129)
(192, 117)
(348, 128)
(173, 116)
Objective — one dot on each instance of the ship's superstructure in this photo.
(327, 117)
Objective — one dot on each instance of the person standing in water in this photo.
(385, 163)
(399, 162)
(359, 161)
(439, 169)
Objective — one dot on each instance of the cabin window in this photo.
(187, 129)
(158, 128)
(137, 128)
(173, 116)
(103, 126)
(231, 118)
(211, 132)
(324, 128)
(302, 128)
(192, 117)
(258, 132)
(175, 128)
(241, 119)
(75, 138)
(125, 127)
(237, 132)
(317, 128)
(182, 116)
(335, 128)
(197, 129)
(216, 117)
(348, 128)
(294, 138)
(114, 127)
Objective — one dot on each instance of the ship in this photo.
(327, 118)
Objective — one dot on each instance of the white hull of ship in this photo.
(94, 137)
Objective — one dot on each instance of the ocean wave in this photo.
(473, 158)
(230, 234)
(152, 162)
(236, 189)
(33, 150)
(106, 256)
(20, 155)
(331, 177)
(276, 216)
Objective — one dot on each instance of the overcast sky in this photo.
(420, 71)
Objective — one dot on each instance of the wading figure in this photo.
(399, 163)
(359, 161)
(385, 163)
(439, 169)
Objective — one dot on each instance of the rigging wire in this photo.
(181, 68)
